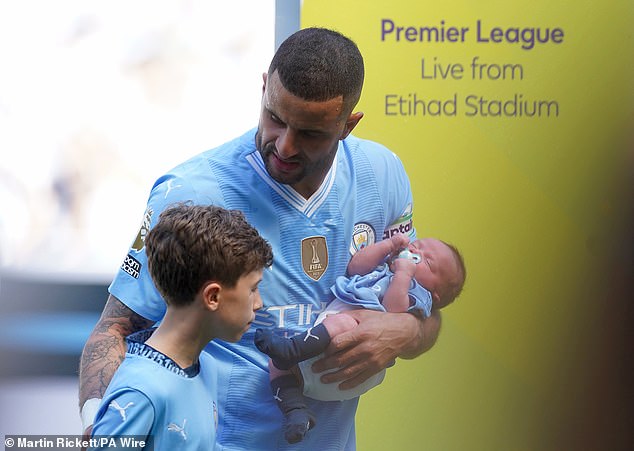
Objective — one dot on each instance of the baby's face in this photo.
(437, 266)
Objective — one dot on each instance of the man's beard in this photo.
(267, 151)
(305, 167)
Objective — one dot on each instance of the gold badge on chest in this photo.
(314, 256)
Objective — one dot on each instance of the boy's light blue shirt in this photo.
(152, 399)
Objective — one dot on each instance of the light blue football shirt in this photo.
(365, 197)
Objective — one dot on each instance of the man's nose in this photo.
(287, 144)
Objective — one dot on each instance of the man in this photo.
(316, 194)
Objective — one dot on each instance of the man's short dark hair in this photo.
(318, 64)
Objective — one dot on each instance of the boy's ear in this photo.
(210, 294)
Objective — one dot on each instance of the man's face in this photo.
(297, 138)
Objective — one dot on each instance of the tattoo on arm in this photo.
(105, 349)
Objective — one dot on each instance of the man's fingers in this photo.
(344, 350)
(344, 341)
(358, 379)
(349, 377)
(86, 436)
(328, 362)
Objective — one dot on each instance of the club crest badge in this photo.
(314, 256)
(362, 235)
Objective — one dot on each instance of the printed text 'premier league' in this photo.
(526, 37)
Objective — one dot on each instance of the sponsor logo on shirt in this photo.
(362, 235)
(132, 266)
(177, 428)
(289, 316)
(121, 409)
(314, 256)
(403, 224)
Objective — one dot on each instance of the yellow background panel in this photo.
(539, 206)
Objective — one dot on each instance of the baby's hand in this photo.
(405, 265)
(400, 241)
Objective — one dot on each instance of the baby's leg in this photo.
(287, 392)
(287, 352)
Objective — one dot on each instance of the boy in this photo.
(392, 275)
(207, 263)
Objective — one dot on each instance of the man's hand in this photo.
(86, 436)
(374, 345)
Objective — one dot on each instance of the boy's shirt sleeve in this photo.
(126, 412)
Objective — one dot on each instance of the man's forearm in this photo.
(427, 330)
(100, 358)
(105, 348)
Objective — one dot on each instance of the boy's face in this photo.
(237, 306)
(437, 267)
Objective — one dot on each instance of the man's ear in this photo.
(264, 78)
(351, 123)
(211, 293)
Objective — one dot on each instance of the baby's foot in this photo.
(297, 423)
